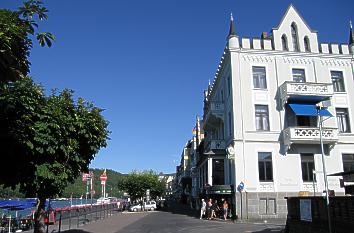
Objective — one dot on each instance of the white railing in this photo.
(288, 89)
(309, 135)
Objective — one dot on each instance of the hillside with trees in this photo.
(78, 188)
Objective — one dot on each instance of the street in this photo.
(176, 218)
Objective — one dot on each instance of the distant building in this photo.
(168, 179)
(261, 119)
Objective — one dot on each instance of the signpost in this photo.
(103, 179)
(88, 178)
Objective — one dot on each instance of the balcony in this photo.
(215, 144)
(305, 92)
(213, 111)
(309, 135)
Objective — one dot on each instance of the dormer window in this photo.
(284, 42)
(307, 44)
(294, 37)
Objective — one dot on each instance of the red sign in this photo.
(103, 177)
(85, 176)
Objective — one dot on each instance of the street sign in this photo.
(85, 176)
(103, 182)
(241, 186)
(103, 177)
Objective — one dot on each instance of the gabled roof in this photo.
(291, 7)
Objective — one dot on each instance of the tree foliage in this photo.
(50, 140)
(16, 27)
(137, 183)
(46, 141)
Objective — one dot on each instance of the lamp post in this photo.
(319, 108)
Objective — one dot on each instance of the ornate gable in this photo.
(293, 26)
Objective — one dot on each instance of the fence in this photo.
(62, 218)
(309, 214)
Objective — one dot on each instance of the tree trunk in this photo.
(39, 216)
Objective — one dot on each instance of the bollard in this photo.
(59, 221)
(70, 218)
(78, 217)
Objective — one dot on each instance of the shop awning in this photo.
(308, 110)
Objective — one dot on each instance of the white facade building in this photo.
(261, 111)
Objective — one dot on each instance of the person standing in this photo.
(202, 209)
(225, 207)
(215, 209)
(208, 209)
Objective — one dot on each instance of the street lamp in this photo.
(319, 108)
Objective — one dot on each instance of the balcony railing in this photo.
(213, 110)
(215, 144)
(305, 91)
(309, 135)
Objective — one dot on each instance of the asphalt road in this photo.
(183, 220)
(176, 218)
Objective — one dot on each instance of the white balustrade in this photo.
(309, 135)
(289, 89)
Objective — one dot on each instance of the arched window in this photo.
(307, 44)
(294, 37)
(284, 42)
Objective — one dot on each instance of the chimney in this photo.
(264, 35)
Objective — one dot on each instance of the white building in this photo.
(261, 119)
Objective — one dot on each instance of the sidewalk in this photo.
(111, 224)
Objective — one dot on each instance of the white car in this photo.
(106, 200)
(150, 205)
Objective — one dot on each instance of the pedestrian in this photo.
(208, 208)
(214, 209)
(202, 209)
(225, 207)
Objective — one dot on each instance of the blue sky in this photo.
(147, 63)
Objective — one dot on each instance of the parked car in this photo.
(150, 205)
(106, 200)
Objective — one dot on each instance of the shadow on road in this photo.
(269, 230)
(181, 209)
(76, 231)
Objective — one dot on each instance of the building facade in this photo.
(274, 102)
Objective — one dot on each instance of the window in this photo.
(222, 95)
(337, 80)
(284, 43)
(348, 162)
(307, 167)
(267, 206)
(262, 117)
(265, 166)
(218, 172)
(229, 85)
(294, 37)
(230, 123)
(307, 44)
(343, 120)
(299, 75)
(259, 77)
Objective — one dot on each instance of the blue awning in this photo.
(308, 110)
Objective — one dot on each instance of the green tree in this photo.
(16, 27)
(137, 183)
(46, 141)
(49, 140)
